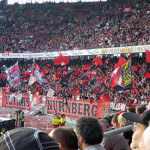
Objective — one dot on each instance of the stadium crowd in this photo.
(73, 84)
(57, 27)
(51, 27)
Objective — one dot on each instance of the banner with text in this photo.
(118, 106)
(11, 101)
(76, 108)
(96, 51)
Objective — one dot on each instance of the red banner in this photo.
(76, 108)
(24, 104)
(73, 108)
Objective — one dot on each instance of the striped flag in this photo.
(122, 76)
(13, 75)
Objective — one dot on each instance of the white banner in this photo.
(118, 106)
(98, 51)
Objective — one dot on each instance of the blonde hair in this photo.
(123, 121)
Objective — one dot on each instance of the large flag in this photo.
(40, 77)
(85, 68)
(122, 76)
(61, 61)
(31, 80)
(64, 80)
(98, 62)
(37, 75)
(148, 64)
(106, 61)
(13, 75)
(136, 69)
(96, 86)
(120, 62)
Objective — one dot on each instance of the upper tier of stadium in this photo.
(51, 27)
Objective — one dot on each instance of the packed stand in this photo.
(69, 86)
(56, 27)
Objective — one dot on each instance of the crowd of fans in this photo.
(51, 27)
(70, 86)
(57, 27)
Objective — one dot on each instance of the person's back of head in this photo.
(115, 122)
(65, 137)
(108, 118)
(140, 109)
(89, 131)
(131, 109)
(105, 124)
(123, 121)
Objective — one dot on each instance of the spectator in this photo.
(22, 119)
(140, 109)
(89, 133)
(27, 139)
(55, 122)
(124, 122)
(116, 142)
(62, 120)
(3, 130)
(143, 103)
(141, 123)
(65, 137)
(16, 118)
(145, 139)
(131, 109)
(148, 106)
(115, 123)
(9, 115)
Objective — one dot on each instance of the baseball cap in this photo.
(144, 119)
(27, 139)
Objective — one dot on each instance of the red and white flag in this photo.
(13, 75)
(31, 80)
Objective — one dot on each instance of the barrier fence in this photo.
(118, 131)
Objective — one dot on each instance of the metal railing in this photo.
(117, 131)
